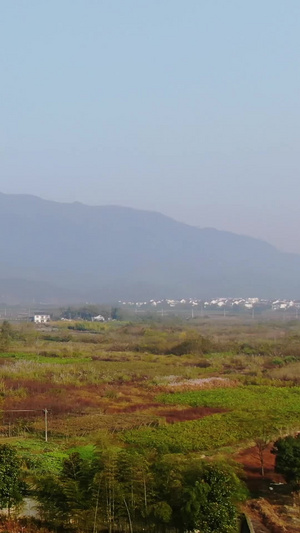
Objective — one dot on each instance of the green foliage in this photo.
(6, 334)
(66, 496)
(209, 504)
(262, 398)
(287, 462)
(52, 500)
(12, 487)
(85, 312)
(116, 313)
(44, 358)
(278, 361)
(194, 344)
(250, 411)
(122, 487)
(103, 380)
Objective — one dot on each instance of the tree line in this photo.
(122, 490)
(128, 491)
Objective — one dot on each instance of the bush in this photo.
(287, 462)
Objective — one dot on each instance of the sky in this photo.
(186, 107)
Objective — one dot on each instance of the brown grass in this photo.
(21, 525)
(268, 515)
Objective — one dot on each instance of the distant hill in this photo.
(62, 252)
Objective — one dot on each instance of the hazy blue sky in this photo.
(188, 107)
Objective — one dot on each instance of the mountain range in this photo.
(66, 252)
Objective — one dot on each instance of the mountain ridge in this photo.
(115, 252)
(121, 208)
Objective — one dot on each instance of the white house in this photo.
(41, 319)
(98, 318)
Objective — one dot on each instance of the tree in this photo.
(116, 313)
(85, 312)
(287, 462)
(6, 334)
(67, 497)
(209, 504)
(53, 502)
(261, 445)
(124, 490)
(136, 487)
(198, 495)
(12, 487)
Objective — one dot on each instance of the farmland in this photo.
(204, 388)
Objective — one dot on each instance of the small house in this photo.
(98, 318)
(41, 319)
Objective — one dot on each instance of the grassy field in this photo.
(147, 395)
(250, 412)
(180, 387)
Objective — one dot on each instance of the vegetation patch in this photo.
(192, 413)
(130, 404)
(251, 412)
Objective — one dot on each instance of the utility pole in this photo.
(46, 424)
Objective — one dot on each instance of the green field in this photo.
(165, 393)
(251, 412)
